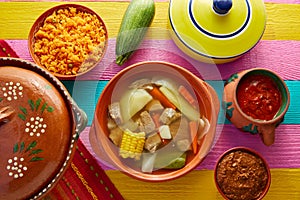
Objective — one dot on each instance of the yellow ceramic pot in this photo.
(216, 31)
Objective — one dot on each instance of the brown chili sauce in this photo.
(242, 175)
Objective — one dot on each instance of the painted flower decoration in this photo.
(35, 125)
(15, 165)
(12, 91)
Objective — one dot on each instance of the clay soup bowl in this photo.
(207, 101)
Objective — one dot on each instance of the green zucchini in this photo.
(134, 25)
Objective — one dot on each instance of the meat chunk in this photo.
(116, 135)
(180, 132)
(131, 125)
(111, 123)
(154, 106)
(152, 142)
(179, 129)
(115, 112)
(169, 115)
(147, 124)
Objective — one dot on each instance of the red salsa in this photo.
(259, 97)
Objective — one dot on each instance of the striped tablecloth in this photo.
(278, 50)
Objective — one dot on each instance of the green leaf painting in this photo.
(48, 87)
(31, 145)
(19, 148)
(24, 110)
(50, 109)
(22, 146)
(232, 78)
(229, 111)
(37, 104)
(21, 116)
(1, 99)
(34, 106)
(16, 148)
(36, 151)
(36, 159)
(251, 129)
(31, 103)
(44, 106)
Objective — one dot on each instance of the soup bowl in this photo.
(256, 101)
(206, 104)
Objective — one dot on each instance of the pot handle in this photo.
(268, 134)
(214, 97)
(222, 7)
(80, 119)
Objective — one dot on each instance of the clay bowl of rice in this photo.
(155, 121)
(68, 40)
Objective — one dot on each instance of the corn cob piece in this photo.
(132, 144)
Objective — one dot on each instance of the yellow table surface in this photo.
(16, 19)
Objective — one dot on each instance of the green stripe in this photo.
(86, 94)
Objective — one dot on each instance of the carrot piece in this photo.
(156, 94)
(201, 141)
(193, 130)
(187, 95)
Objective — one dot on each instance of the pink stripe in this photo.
(283, 1)
(84, 0)
(284, 153)
(280, 56)
(269, 1)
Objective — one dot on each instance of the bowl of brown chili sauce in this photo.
(242, 174)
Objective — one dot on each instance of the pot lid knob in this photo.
(222, 6)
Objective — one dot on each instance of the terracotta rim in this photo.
(249, 150)
(40, 21)
(258, 121)
(117, 162)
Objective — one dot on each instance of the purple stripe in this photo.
(284, 153)
(273, 55)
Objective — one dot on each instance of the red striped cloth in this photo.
(6, 50)
(85, 179)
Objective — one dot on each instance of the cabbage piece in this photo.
(182, 105)
(170, 160)
(148, 162)
(133, 101)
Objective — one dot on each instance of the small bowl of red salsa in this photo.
(256, 101)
